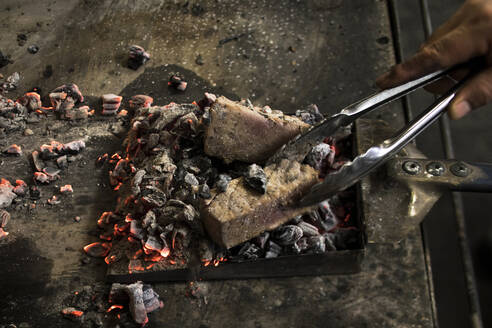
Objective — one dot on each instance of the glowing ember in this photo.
(98, 249)
(115, 307)
(3, 233)
(13, 150)
(66, 188)
(72, 312)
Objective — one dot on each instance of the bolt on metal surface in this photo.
(435, 168)
(412, 167)
(460, 169)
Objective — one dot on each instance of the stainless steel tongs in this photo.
(365, 163)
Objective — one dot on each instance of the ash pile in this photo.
(193, 186)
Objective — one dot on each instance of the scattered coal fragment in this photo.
(140, 101)
(249, 251)
(316, 244)
(21, 39)
(308, 229)
(256, 178)
(34, 193)
(72, 91)
(72, 313)
(137, 57)
(33, 49)
(273, 250)
(13, 150)
(204, 191)
(31, 100)
(111, 104)
(310, 114)
(11, 83)
(199, 60)
(287, 234)
(177, 82)
(48, 71)
(4, 218)
(20, 188)
(6, 194)
(142, 299)
(4, 60)
(222, 182)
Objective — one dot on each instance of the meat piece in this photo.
(237, 132)
(239, 213)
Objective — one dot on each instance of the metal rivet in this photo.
(412, 167)
(435, 168)
(460, 169)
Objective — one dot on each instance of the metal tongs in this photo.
(365, 163)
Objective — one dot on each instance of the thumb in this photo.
(475, 93)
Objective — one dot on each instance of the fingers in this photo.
(458, 46)
(444, 84)
(475, 93)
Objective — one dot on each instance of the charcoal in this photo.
(21, 188)
(205, 249)
(178, 211)
(4, 60)
(62, 162)
(273, 250)
(150, 299)
(3, 233)
(66, 189)
(74, 147)
(249, 251)
(71, 90)
(31, 100)
(21, 39)
(222, 182)
(316, 244)
(12, 82)
(302, 244)
(97, 249)
(308, 230)
(6, 195)
(262, 239)
(149, 218)
(13, 150)
(330, 241)
(140, 101)
(137, 57)
(256, 178)
(153, 199)
(204, 191)
(52, 172)
(137, 306)
(33, 49)
(153, 244)
(4, 218)
(177, 82)
(310, 114)
(328, 220)
(317, 155)
(191, 180)
(72, 313)
(137, 180)
(76, 114)
(287, 234)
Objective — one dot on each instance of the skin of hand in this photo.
(466, 35)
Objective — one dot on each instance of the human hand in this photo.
(466, 35)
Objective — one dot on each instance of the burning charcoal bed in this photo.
(186, 211)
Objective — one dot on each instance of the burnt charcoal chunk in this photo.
(222, 182)
(330, 241)
(177, 82)
(249, 251)
(4, 60)
(4, 218)
(287, 234)
(328, 219)
(310, 114)
(204, 191)
(32, 49)
(34, 193)
(317, 155)
(316, 244)
(137, 57)
(262, 239)
(308, 229)
(273, 250)
(191, 180)
(256, 178)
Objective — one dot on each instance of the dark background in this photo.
(472, 142)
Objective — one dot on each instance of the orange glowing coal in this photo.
(98, 249)
(115, 307)
(66, 188)
(110, 259)
(3, 233)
